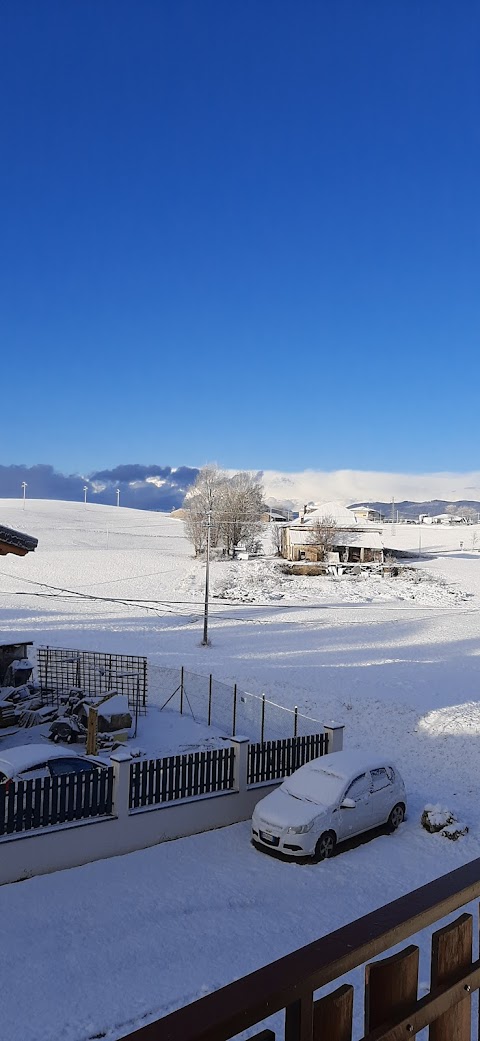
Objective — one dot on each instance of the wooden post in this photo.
(181, 691)
(299, 1019)
(210, 700)
(332, 1016)
(452, 955)
(92, 731)
(263, 718)
(295, 722)
(390, 988)
(234, 721)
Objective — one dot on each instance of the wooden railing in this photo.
(273, 760)
(44, 801)
(154, 781)
(393, 1011)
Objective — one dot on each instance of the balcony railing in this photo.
(392, 1010)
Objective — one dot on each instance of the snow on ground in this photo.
(396, 660)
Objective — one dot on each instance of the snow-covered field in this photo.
(106, 946)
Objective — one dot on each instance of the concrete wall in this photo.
(69, 845)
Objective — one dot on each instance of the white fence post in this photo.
(240, 769)
(121, 782)
(334, 732)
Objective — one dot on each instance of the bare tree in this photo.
(464, 513)
(276, 537)
(203, 500)
(324, 534)
(242, 505)
(233, 505)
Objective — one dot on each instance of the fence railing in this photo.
(392, 1009)
(273, 760)
(43, 801)
(154, 781)
(227, 707)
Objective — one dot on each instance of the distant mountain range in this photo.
(411, 510)
(155, 487)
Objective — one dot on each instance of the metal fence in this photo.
(155, 781)
(273, 760)
(229, 708)
(95, 673)
(43, 801)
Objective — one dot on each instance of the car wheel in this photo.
(56, 738)
(71, 738)
(396, 817)
(325, 846)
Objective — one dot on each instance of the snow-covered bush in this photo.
(454, 831)
(437, 819)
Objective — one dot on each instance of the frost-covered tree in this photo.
(204, 499)
(233, 504)
(242, 506)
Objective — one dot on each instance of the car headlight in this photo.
(301, 829)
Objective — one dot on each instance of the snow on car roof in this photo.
(344, 764)
(323, 780)
(25, 757)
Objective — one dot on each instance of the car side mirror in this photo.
(348, 804)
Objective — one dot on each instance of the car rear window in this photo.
(58, 767)
(380, 779)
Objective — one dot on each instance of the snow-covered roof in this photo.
(114, 706)
(336, 510)
(301, 536)
(365, 540)
(17, 539)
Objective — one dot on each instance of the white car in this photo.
(329, 800)
(25, 762)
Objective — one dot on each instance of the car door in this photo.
(381, 794)
(353, 821)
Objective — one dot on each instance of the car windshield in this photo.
(316, 785)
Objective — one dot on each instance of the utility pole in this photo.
(85, 490)
(118, 496)
(207, 581)
(24, 486)
(393, 516)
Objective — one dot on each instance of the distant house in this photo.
(16, 542)
(275, 514)
(367, 513)
(350, 543)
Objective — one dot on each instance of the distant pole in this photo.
(85, 490)
(118, 496)
(393, 516)
(24, 486)
(207, 582)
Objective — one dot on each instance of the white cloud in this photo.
(349, 486)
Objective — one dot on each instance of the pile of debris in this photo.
(22, 704)
(113, 718)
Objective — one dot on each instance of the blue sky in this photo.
(240, 231)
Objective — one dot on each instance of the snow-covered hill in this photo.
(395, 660)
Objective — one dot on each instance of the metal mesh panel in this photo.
(93, 672)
